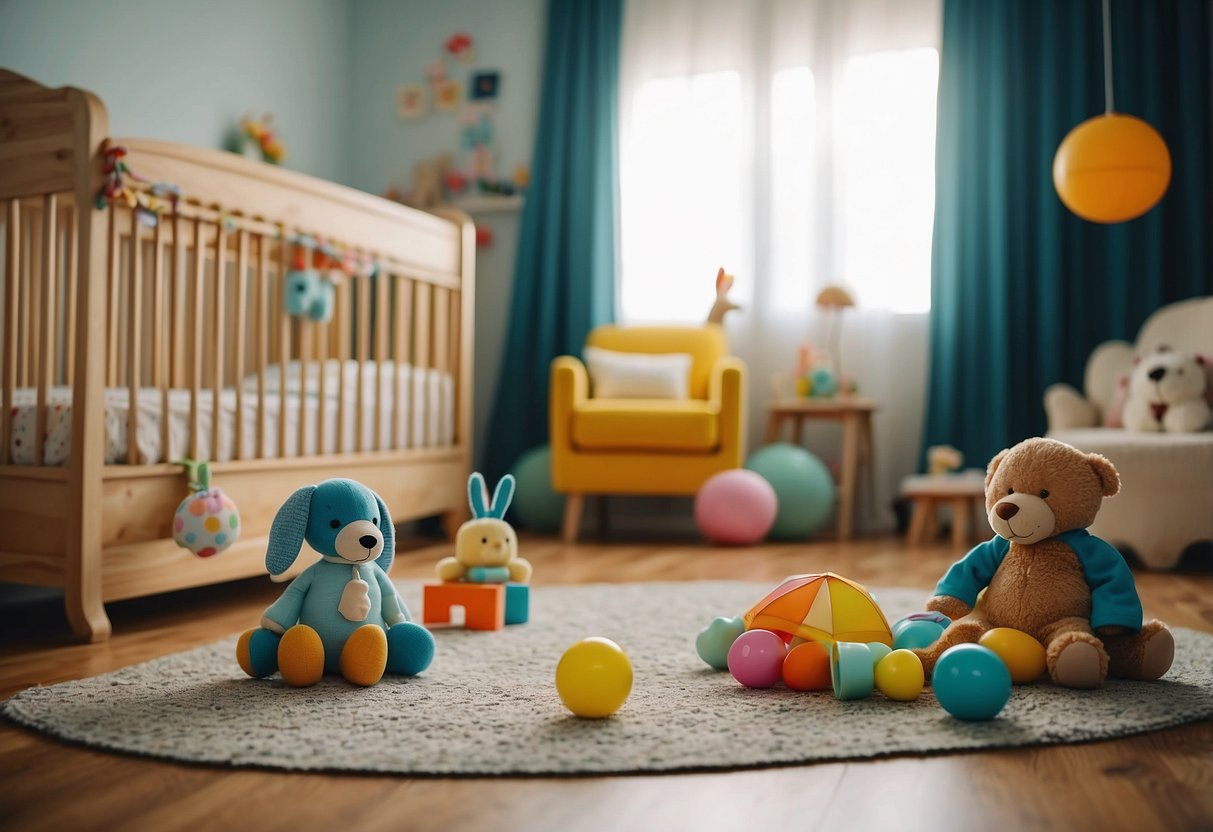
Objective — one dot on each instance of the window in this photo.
(849, 187)
(885, 189)
(682, 210)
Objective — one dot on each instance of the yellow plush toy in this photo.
(1046, 575)
(486, 542)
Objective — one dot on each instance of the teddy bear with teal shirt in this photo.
(342, 614)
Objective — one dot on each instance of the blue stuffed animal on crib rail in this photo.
(342, 614)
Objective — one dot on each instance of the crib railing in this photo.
(38, 314)
(194, 311)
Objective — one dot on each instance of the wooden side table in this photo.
(855, 413)
(964, 492)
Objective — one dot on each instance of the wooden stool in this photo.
(962, 491)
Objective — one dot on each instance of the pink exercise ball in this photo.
(736, 508)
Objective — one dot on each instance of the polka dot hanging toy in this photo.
(207, 521)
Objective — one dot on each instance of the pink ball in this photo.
(756, 658)
(736, 507)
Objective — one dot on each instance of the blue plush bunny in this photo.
(342, 613)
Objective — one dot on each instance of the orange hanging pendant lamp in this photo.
(1113, 167)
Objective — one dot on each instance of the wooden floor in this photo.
(1157, 781)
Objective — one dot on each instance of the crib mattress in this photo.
(424, 416)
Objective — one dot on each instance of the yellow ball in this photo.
(594, 678)
(1023, 655)
(1111, 168)
(899, 675)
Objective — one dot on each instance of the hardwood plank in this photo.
(1162, 780)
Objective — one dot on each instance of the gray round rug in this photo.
(488, 704)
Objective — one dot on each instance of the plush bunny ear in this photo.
(502, 495)
(287, 531)
(478, 495)
(389, 536)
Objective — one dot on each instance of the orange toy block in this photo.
(483, 604)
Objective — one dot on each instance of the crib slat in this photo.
(238, 340)
(69, 302)
(455, 359)
(441, 339)
(195, 349)
(162, 357)
(421, 359)
(176, 300)
(134, 342)
(343, 312)
(217, 339)
(113, 298)
(12, 273)
(403, 330)
(261, 319)
(382, 312)
(305, 336)
(322, 340)
(34, 299)
(284, 340)
(364, 337)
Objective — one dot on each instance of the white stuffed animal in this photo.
(1167, 393)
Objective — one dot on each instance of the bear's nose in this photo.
(1157, 373)
(368, 541)
(1006, 510)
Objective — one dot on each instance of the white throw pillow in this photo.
(637, 375)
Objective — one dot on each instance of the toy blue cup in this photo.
(852, 670)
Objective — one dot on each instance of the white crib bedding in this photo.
(424, 417)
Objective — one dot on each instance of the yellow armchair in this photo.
(646, 446)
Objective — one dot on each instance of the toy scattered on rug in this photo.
(1046, 576)
(722, 306)
(594, 678)
(342, 614)
(485, 577)
(207, 521)
(1166, 392)
(823, 632)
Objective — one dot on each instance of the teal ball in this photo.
(713, 642)
(971, 682)
(535, 504)
(912, 635)
(803, 485)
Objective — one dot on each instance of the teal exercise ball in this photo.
(536, 505)
(803, 485)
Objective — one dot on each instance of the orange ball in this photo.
(807, 667)
(1112, 168)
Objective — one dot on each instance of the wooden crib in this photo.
(133, 337)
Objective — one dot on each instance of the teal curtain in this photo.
(1022, 290)
(564, 277)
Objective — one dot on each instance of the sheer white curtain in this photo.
(792, 142)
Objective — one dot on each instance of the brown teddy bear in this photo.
(1046, 575)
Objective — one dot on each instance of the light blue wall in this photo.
(186, 71)
(394, 41)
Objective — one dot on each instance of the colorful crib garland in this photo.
(148, 202)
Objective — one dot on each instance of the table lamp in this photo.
(833, 300)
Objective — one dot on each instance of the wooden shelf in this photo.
(488, 203)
